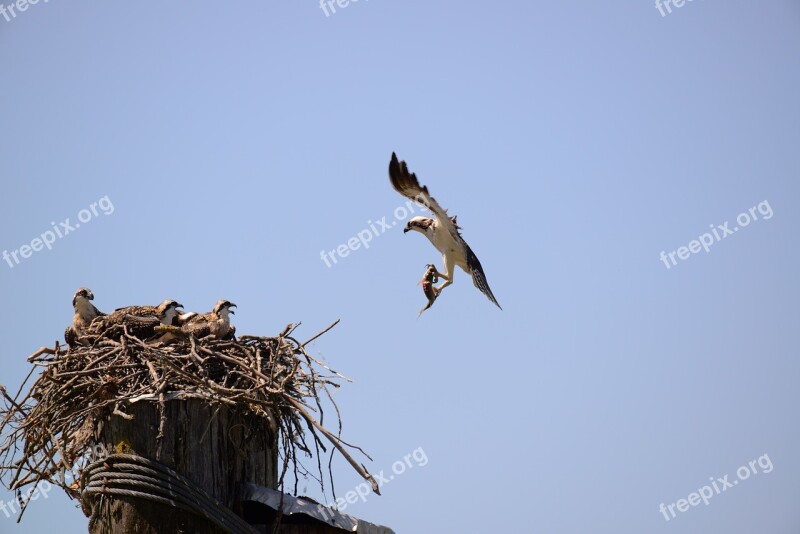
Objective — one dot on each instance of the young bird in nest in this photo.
(85, 313)
(430, 278)
(216, 323)
(140, 321)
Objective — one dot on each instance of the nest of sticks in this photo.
(48, 431)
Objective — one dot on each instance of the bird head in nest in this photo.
(167, 310)
(83, 295)
(223, 307)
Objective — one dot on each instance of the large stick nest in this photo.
(48, 431)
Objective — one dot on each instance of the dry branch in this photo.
(48, 433)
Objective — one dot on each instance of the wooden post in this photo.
(213, 446)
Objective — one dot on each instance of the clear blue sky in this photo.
(575, 140)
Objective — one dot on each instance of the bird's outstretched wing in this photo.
(406, 184)
(478, 276)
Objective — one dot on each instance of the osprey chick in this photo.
(141, 321)
(216, 323)
(85, 313)
(166, 312)
(442, 231)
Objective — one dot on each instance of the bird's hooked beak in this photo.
(406, 229)
(230, 310)
(90, 295)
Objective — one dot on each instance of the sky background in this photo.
(574, 140)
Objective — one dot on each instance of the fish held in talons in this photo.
(430, 278)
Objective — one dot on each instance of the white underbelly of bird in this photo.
(444, 243)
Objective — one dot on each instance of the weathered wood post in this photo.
(215, 447)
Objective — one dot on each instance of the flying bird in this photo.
(85, 313)
(141, 321)
(442, 231)
(216, 323)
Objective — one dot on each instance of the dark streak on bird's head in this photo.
(83, 292)
(168, 310)
(418, 223)
(224, 305)
(167, 305)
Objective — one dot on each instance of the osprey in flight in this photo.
(85, 313)
(442, 230)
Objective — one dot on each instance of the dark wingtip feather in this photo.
(394, 169)
(479, 277)
(488, 292)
